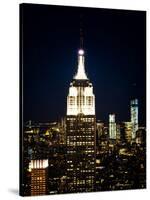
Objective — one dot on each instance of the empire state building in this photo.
(81, 131)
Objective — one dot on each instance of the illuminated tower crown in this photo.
(81, 75)
(81, 98)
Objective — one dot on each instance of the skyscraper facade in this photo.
(134, 116)
(39, 177)
(81, 132)
(128, 128)
(112, 127)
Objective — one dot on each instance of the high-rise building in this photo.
(81, 132)
(141, 136)
(100, 129)
(39, 177)
(118, 134)
(112, 127)
(134, 116)
(128, 129)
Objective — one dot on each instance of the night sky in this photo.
(115, 59)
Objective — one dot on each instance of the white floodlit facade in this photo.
(134, 116)
(112, 127)
(38, 164)
(81, 98)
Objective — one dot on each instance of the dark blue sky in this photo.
(115, 59)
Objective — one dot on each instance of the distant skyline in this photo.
(115, 59)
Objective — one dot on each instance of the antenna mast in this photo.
(81, 31)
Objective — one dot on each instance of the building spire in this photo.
(81, 70)
(81, 31)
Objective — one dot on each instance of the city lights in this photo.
(83, 110)
(80, 153)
